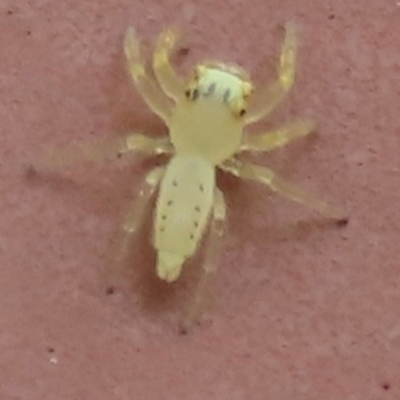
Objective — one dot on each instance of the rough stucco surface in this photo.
(304, 311)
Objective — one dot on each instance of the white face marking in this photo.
(220, 84)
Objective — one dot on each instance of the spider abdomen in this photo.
(183, 207)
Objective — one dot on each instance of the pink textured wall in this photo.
(304, 312)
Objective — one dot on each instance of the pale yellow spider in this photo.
(206, 116)
(206, 121)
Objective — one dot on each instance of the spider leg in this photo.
(213, 244)
(278, 137)
(269, 96)
(216, 232)
(104, 149)
(147, 145)
(135, 215)
(167, 77)
(145, 85)
(266, 176)
(120, 244)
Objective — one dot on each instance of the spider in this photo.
(206, 115)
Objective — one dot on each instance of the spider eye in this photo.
(211, 89)
(195, 94)
(227, 95)
(192, 94)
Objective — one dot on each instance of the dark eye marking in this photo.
(227, 94)
(210, 90)
(195, 94)
(192, 94)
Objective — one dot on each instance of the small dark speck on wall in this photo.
(342, 222)
(110, 290)
(183, 51)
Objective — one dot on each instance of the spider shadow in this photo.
(135, 275)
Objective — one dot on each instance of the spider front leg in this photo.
(104, 149)
(213, 244)
(279, 137)
(268, 97)
(145, 85)
(168, 79)
(266, 176)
